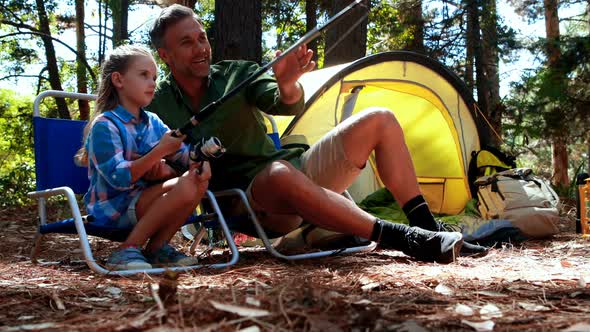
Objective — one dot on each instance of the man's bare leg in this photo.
(361, 134)
(297, 194)
(378, 130)
(301, 196)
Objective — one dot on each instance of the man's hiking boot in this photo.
(127, 259)
(468, 249)
(441, 247)
(168, 256)
(473, 250)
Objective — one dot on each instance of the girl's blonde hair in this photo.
(107, 97)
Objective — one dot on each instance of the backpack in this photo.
(517, 195)
(487, 161)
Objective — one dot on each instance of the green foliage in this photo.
(549, 102)
(385, 32)
(67, 73)
(16, 51)
(16, 148)
(16, 55)
(444, 34)
(206, 11)
(532, 10)
(20, 39)
(16, 183)
(508, 41)
(283, 22)
(571, 191)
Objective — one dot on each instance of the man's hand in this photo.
(289, 69)
(199, 173)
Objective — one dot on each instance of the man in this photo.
(285, 185)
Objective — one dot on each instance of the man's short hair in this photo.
(167, 18)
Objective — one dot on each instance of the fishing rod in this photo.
(308, 37)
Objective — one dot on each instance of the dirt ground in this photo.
(534, 286)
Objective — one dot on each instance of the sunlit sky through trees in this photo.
(141, 19)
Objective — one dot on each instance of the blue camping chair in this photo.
(56, 142)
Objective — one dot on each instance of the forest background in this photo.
(540, 117)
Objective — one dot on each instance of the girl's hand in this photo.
(169, 144)
(160, 171)
(151, 162)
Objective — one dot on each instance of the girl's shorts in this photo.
(129, 219)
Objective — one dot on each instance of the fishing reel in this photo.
(206, 150)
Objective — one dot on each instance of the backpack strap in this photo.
(497, 161)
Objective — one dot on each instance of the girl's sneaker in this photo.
(127, 259)
(168, 256)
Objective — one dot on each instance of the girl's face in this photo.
(137, 84)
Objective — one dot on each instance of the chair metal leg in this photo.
(197, 240)
(36, 247)
(262, 234)
(87, 251)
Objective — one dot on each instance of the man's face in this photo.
(186, 49)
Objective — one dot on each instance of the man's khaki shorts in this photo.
(326, 164)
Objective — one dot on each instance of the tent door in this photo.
(350, 103)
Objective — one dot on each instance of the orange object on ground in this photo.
(585, 208)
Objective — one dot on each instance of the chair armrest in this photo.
(66, 191)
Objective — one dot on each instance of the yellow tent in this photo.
(431, 103)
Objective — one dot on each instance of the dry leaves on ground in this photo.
(539, 285)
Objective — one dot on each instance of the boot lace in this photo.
(446, 227)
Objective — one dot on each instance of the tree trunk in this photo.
(552, 32)
(187, 3)
(276, 14)
(52, 68)
(559, 158)
(491, 61)
(100, 34)
(237, 30)
(471, 39)
(486, 134)
(103, 18)
(120, 12)
(342, 47)
(411, 19)
(559, 161)
(311, 21)
(81, 57)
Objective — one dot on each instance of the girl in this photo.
(124, 147)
